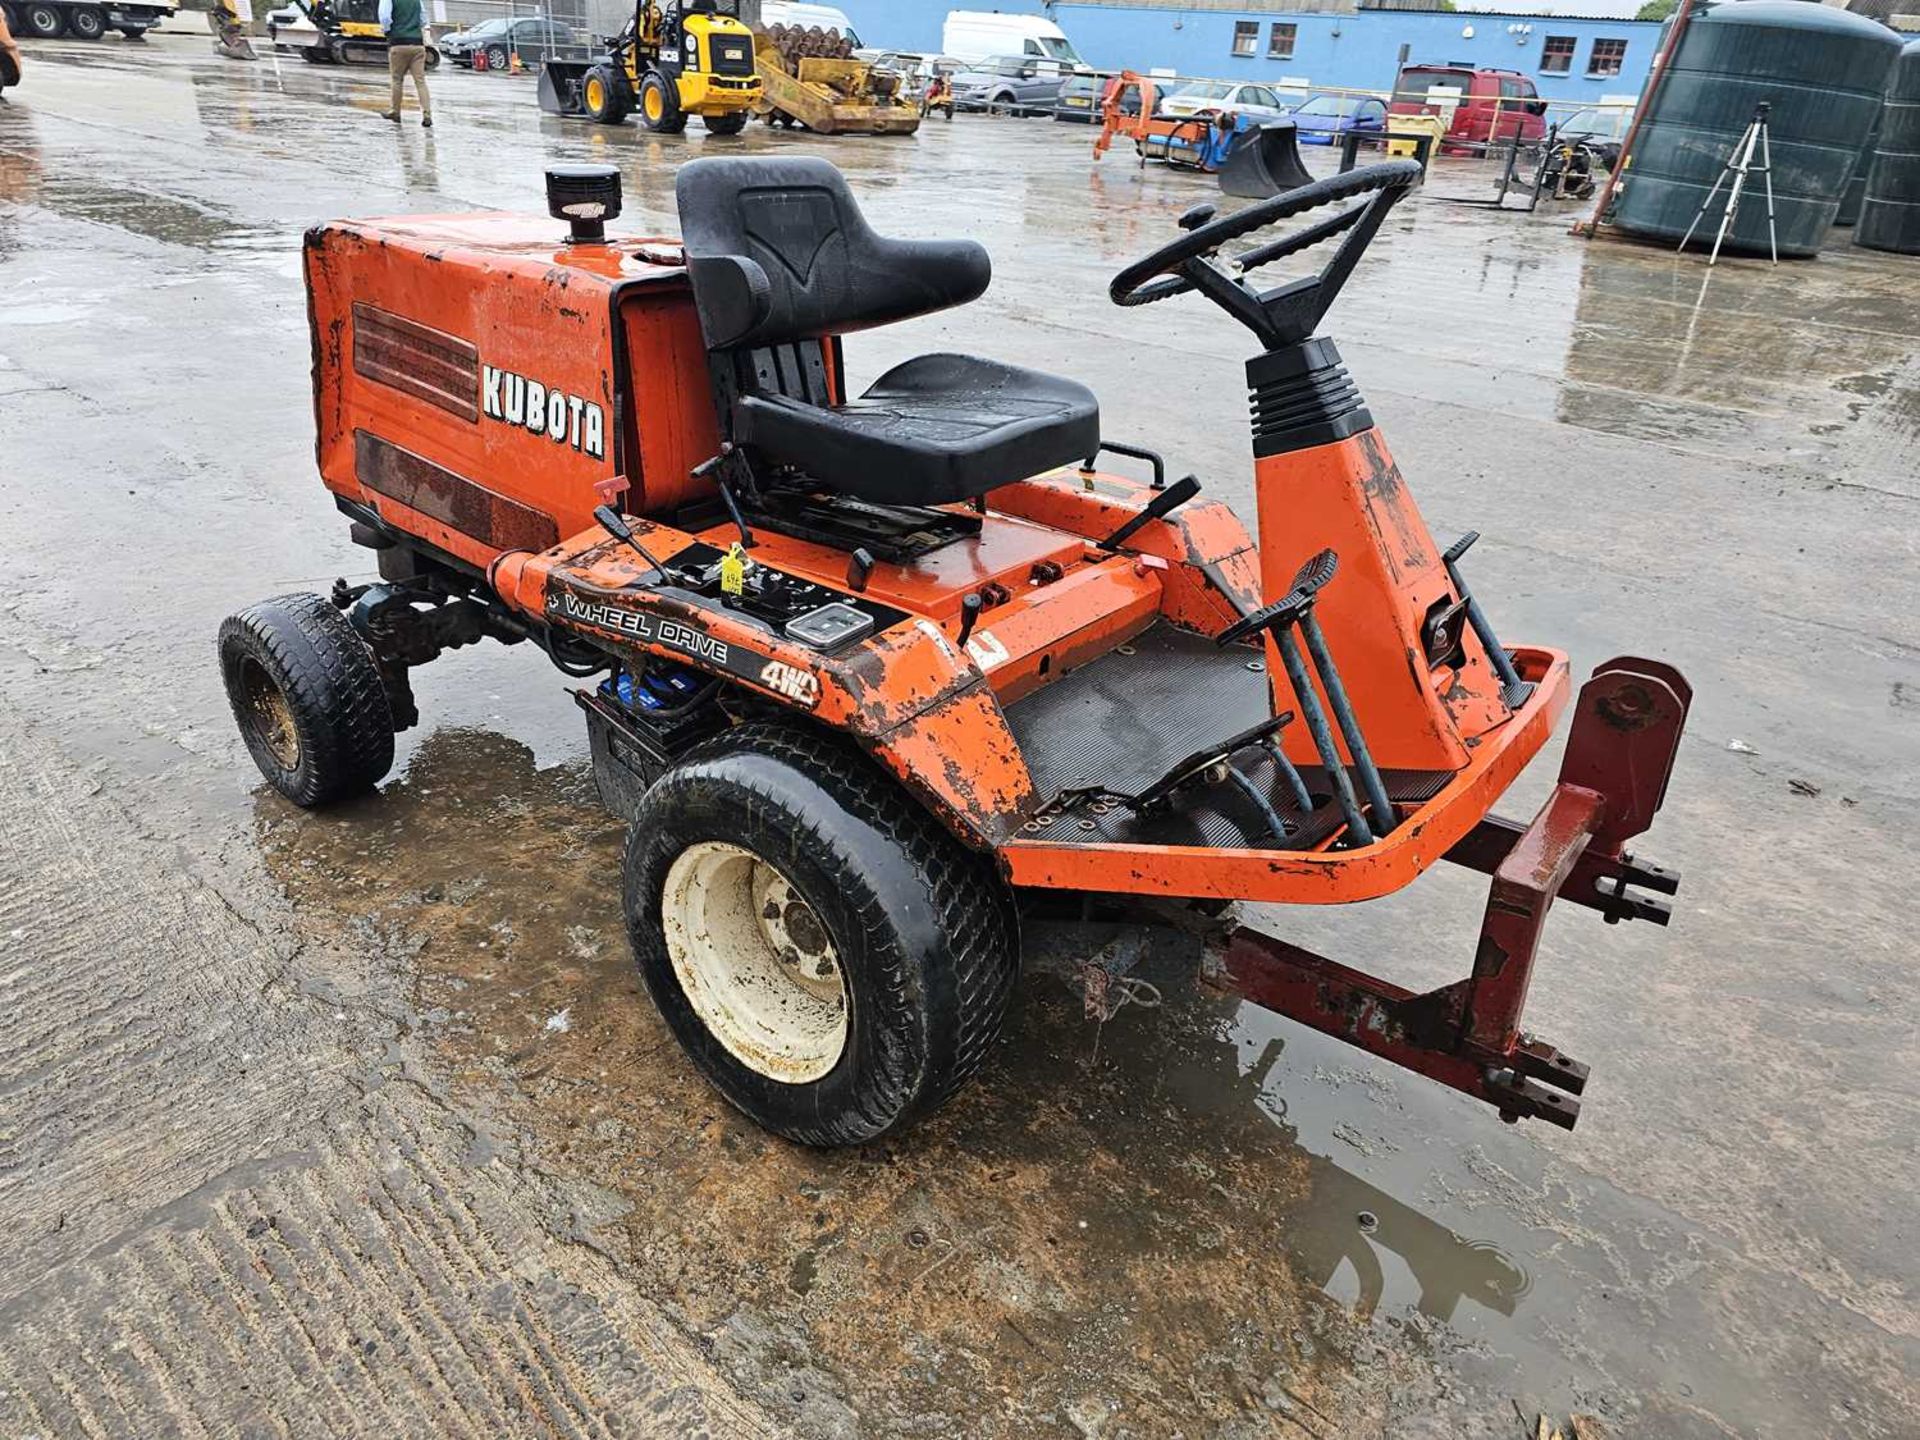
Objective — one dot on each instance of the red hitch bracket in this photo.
(1626, 732)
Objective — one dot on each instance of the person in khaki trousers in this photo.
(406, 55)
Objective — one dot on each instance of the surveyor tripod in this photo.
(1738, 168)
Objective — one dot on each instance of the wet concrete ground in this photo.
(359, 1122)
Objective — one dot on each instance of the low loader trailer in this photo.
(85, 19)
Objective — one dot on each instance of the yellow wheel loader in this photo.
(674, 59)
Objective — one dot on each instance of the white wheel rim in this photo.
(755, 963)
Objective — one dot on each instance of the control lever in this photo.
(1158, 508)
(712, 468)
(1293, 612)
(859, 567)
(970, 607)
(612, 522)
(1516, 690)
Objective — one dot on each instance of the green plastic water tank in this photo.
(1824, 72)
(1890, 215)
(1856, 194)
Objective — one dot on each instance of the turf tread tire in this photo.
(333, 689)
(933, 1020)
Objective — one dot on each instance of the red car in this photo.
(1494, 105)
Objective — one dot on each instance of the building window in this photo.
(1246, 36)
(1556, 56)
(1280, 42)
(1608, 57)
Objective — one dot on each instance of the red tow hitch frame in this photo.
(1620, 752)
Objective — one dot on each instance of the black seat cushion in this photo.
(780, 260)
(937, 429)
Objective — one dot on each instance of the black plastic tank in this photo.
(1824, 73)
(1856, 195)
(1890, 215)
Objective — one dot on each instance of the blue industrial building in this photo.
(1577, 59)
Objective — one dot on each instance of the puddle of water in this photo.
(46, 313)
(1200, 1190)
(1068, 1229)
(158, 217)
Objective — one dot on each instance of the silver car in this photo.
(1201, 97)
(1011, 85)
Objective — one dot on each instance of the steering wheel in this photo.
(1288, 313)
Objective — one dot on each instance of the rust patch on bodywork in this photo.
(471, 508)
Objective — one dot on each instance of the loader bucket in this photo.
(1264, 161)
(560, 86)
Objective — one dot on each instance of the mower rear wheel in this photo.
(832, 960)
(308, 698)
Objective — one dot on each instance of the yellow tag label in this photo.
(733, 570)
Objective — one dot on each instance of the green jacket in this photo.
(401, 19)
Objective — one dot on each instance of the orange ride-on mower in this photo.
(873, 676)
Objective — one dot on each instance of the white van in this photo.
(826, 17)
(974, 35)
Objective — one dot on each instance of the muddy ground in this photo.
(360, 1122)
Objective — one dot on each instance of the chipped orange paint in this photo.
(908, 694)
(1042, 635)
(1212, 576)
(962, 760)
(1348, 496)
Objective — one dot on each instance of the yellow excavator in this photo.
(674, 59)
(347, 32)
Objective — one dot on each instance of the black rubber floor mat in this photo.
(1126, 719)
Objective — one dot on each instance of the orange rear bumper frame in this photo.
(1314, 877)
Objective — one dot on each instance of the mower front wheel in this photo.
(308, 698)
(832, 960)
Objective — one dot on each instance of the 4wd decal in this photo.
(791, 681)
(544, 410)
(794, 682)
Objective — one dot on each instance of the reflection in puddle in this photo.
(1405, 1260)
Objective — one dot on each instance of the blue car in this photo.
(1323, 119)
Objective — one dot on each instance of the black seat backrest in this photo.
(778, 252)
